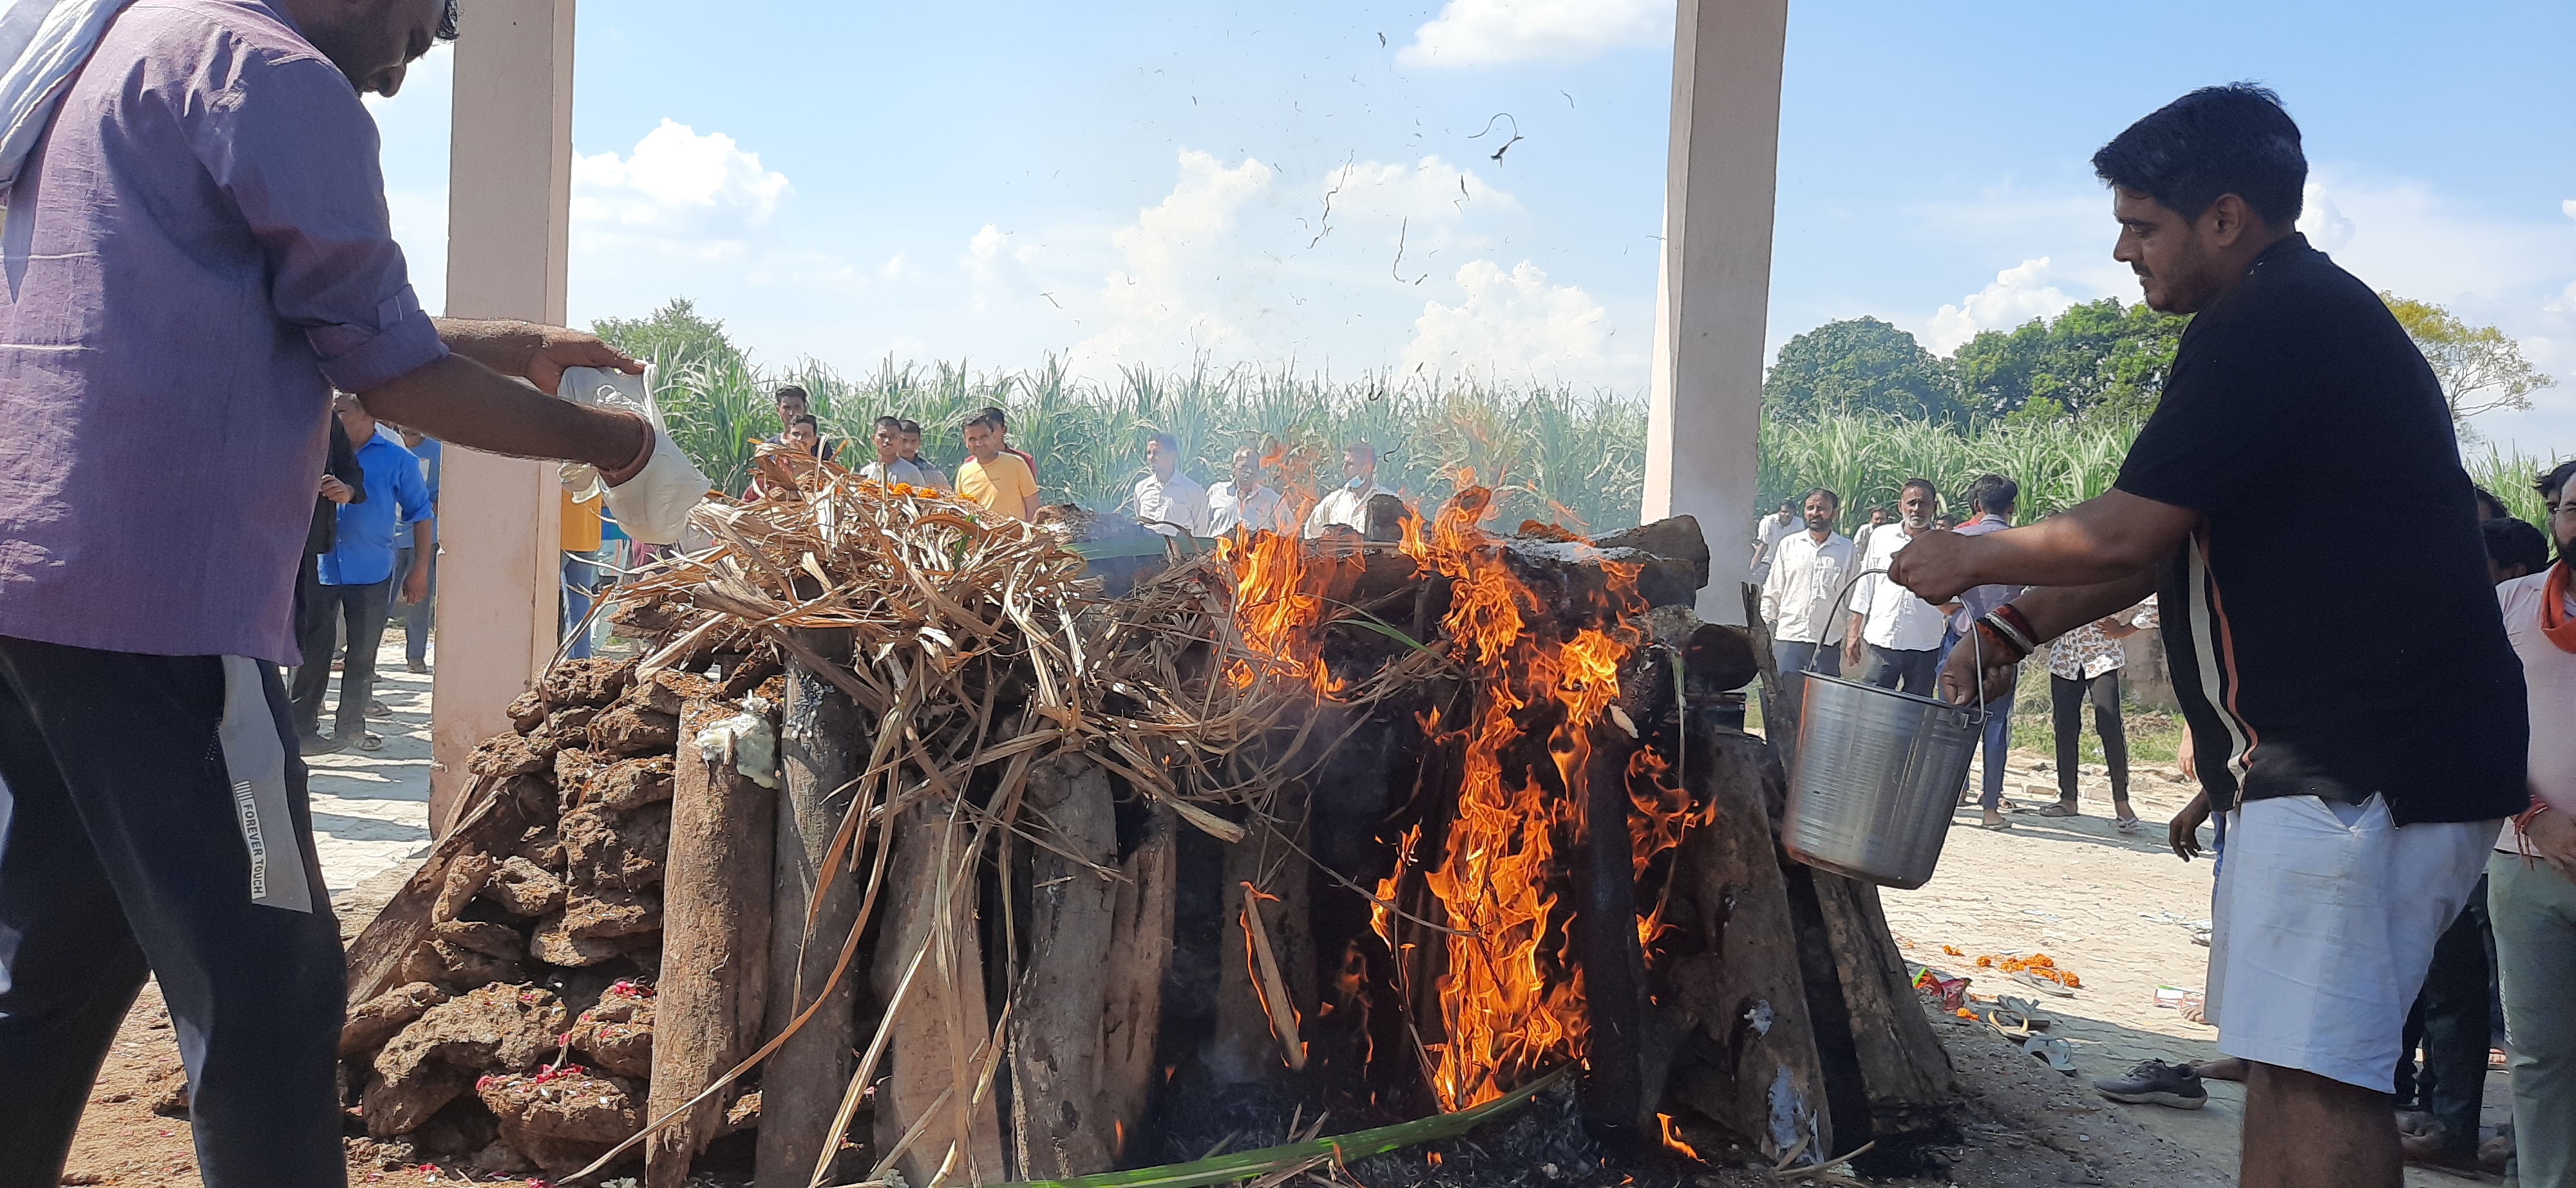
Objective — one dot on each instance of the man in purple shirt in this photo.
(1991, 499)
(194, 256)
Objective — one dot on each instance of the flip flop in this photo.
(369, 740)
(2059, 809)
(2055, 1052)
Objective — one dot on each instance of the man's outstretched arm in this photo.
(2112, 537)
(530, 351)
(462, 402)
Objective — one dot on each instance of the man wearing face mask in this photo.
(198, 254)
(1347, 505)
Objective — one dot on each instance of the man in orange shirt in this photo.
(998, 481)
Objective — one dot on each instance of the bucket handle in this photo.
(1974, 640)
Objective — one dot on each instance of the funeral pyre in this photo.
(926, 848)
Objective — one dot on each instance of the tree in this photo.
(2095, 359)
(2480, 369)
(1860, 365)
(673, 337)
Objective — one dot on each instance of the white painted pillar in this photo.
(1713, 288)
(508, 229)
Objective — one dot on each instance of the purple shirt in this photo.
(1980, 601)
(195, 255)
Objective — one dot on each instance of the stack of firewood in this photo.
(518, 1025)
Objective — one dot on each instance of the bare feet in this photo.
(1994, 819)
(2225, 1068)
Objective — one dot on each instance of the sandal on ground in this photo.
(2127, 820)
(367, 740)
(2059, 809)
(1993, 820)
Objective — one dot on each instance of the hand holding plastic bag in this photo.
(653, 507)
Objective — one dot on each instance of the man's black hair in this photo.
(2512, 543)
(2234, 139)
(889, 424)
(990, 418)
(994, 411)
(1164, 440)
(1924, 483)
(1362, 447)
(809, 419)
(911, 426)
(1993, 493)
(2556, 479)
(447, 23)
(1812, 492)
(2489, 507)
(791, 391)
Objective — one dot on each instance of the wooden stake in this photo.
(1057, 1128)
(1140, 949)
(944, 1021)
(804, 1081)
(715, 942)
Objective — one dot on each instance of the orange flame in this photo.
(1673, 1138)
(1510, 1000)
(1273, 609)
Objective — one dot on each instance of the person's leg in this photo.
(254, 990)
(1919, 673)
(2534, 911)
(2065, 702)
(1998, 750)
(1880, 666)
(2303, 1130)
(316, 632)
(578, 583)
(2104, 692)
(2326, 917)
(365, 608)
(418, 617)
(2455, 1028)
(69, 966)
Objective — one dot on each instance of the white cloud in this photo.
(897, 267)
(2568, 207)
(676, 184)
(1166, 300)
(2017, 295)
(1496, 32)
(2323, 222)
(1426, 191)
(1511, 324)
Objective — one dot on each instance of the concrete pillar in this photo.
(1713, 288)
(508, 230)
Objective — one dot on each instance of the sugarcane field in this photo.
(1479, 594)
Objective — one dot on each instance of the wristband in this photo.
(2001, 639)
(2011, 616)
(635, 466)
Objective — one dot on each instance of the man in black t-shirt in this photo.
(2363, 757)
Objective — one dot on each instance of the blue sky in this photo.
(1145, 182)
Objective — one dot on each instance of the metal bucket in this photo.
(1876, 779)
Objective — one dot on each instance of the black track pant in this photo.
(121, 854)
(2066, 699)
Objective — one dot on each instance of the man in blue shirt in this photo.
(416, 570)
(357, 578)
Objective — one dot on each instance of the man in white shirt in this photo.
(1167, 500)
(1807, 573)
(1347, 505)
(1860, 539)
(1243, 502)
(1900, 633)
(1769, 533)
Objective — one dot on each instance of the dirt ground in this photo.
(2112, 907)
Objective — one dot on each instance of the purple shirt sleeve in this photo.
(297, 152)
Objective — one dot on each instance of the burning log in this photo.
(804, 1080)
(1140, 949)
(1261, 1002)
(715, 938)
(1605, 942)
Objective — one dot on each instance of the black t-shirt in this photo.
(2330, 625)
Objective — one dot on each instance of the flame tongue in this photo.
(1511, 999)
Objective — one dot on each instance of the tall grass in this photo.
(1554, 454)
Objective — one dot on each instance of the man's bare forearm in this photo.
(501, 344)
(2055, 610)
(463, 402)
